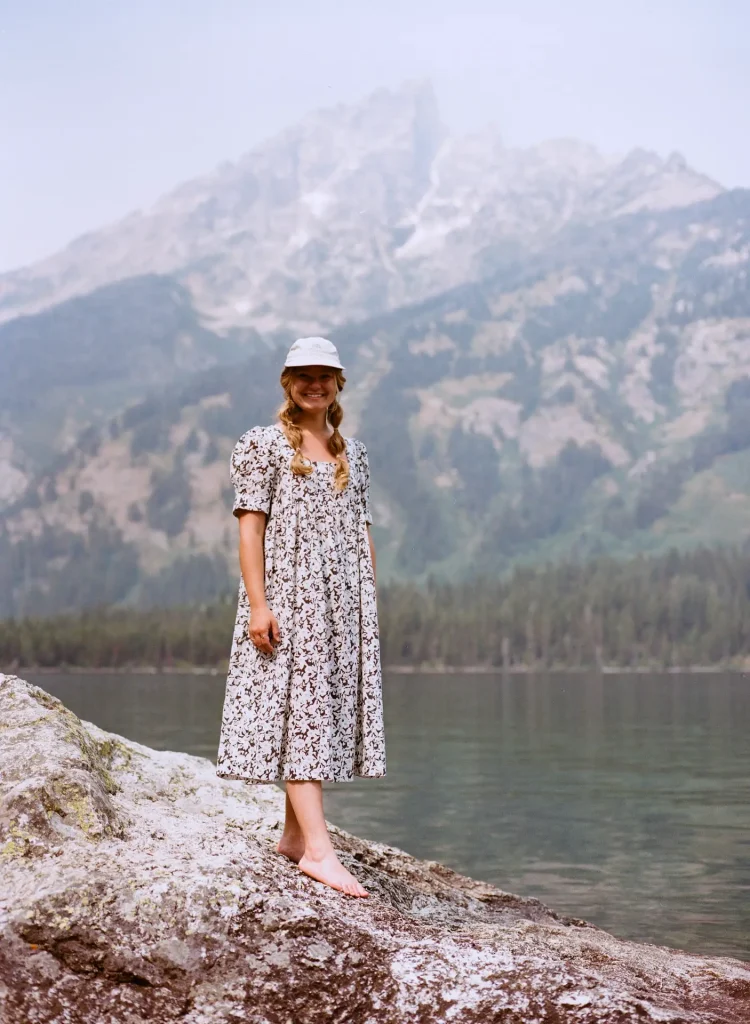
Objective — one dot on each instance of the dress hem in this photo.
(289, 778)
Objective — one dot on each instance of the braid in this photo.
(287, 415)
(337, 446)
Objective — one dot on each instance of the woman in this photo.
(303, 698)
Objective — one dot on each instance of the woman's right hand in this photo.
(263, 629)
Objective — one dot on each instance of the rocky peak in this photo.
(393, 132)
(645, 181)
(356, 210)
(676, 163)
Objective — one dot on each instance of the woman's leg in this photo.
(318, 858)
(292, 842)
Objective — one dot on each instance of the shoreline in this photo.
(513, 670)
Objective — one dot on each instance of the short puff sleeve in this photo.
(364, 485)
(252, 470)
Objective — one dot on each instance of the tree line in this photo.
(680, 609)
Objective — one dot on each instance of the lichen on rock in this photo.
(138, 886)
(55, 784)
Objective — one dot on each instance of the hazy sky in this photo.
(106, 105)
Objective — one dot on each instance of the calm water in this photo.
(623, 800)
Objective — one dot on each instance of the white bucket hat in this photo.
(313, 352)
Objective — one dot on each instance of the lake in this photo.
(622, 799)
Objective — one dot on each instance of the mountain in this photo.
(548, 355)
(593, 398)
(81, 362)
(355, 211)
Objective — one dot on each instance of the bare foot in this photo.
(292, 846)
(331, 871)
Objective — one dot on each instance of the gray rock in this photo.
(138, 886)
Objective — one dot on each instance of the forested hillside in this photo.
(678, 610)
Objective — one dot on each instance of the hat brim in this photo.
(313, 359)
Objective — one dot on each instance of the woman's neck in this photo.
(313, 423)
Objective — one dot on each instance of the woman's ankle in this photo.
(319, 850)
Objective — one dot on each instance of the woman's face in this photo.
(313, 387)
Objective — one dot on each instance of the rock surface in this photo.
(137, 886)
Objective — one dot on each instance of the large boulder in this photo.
(135, 885)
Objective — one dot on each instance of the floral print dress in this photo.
(313, 709)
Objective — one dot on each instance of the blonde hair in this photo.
(287, 415)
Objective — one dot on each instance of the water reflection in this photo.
(622, 799)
